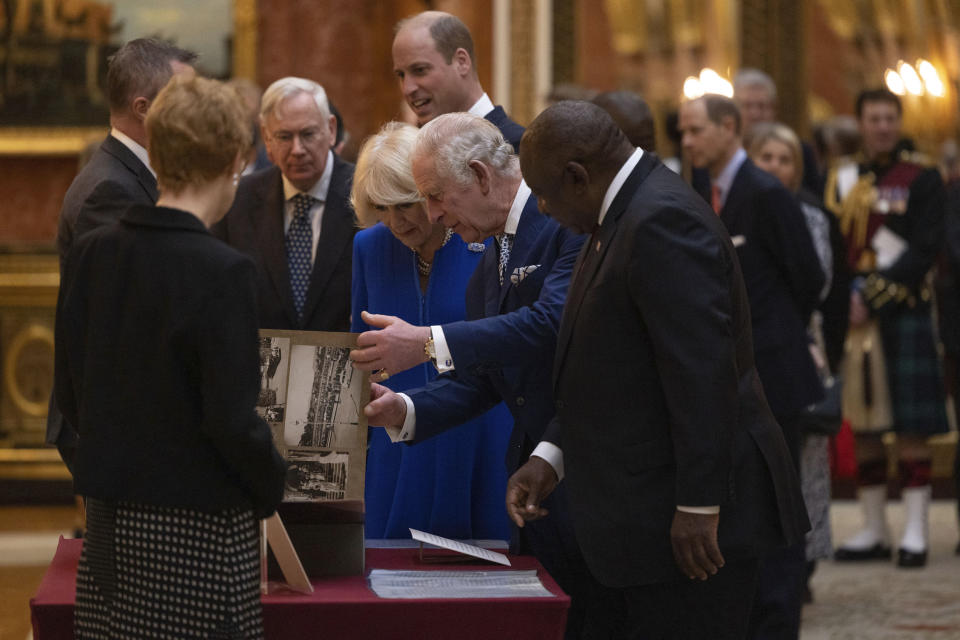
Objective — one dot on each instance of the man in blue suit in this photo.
(504, 351)
(434, 62)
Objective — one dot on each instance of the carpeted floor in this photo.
(877, 600)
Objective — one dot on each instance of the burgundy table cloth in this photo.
(345, 607)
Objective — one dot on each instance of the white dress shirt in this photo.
(725, 180)
(444, 357)
(318, 191)
(482, 107)
(135, 147)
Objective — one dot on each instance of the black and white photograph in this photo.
(323, 405)
(316, 475)
(274, 363)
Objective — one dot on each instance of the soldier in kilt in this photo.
(891, 208)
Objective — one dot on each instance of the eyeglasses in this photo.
(308, 137)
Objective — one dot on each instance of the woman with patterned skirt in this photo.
(157, 365)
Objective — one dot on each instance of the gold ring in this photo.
(380, 375)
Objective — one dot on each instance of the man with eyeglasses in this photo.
(294, 219)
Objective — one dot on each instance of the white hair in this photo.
(454, 140)
(754, 78)
(288, 87)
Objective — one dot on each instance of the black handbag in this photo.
(825, 417)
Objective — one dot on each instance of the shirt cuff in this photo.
(444, 358)
(408, 430)
(552, 454)
(704, 511)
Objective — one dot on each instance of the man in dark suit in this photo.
(783, 279)
(434, 61)
(294, 219)
(678, 476)
(118, 174)
(504, 350)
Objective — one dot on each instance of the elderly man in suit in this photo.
(677, 473)
(294, 219)
(784, 280)
(434, 62)
(118, 174)
(471, 180)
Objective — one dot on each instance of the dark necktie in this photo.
(506, 243)
(299, 245)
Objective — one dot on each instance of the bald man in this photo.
(434, 62)
(677, 474)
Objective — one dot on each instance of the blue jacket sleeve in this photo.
(525, 333)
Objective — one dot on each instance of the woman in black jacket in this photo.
(157, 365)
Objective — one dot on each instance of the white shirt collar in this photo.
(134, 146)
(516, 209)
(481, 107)
(725, 180)
(320, 187)
(618, 181)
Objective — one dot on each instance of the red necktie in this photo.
(715, 199)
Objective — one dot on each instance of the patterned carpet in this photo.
(878, 601)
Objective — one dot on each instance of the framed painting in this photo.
(53, 59)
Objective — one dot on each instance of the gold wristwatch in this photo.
(430, 349)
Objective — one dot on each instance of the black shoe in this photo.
(876, 552)
(911, 559)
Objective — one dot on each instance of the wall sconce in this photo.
(915, 81)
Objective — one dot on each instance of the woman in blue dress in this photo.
(452, 485)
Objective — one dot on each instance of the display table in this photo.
(346, 608)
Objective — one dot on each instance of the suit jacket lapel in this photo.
(120, 151)
(592, 255)
(490, 264)
(336, 232)
(733, 203)
(268, 212)
(531, 221)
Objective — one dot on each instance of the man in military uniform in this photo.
(891, 206)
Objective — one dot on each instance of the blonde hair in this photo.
(383, 175)
(196, 128)
(763, 132)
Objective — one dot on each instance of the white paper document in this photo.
(459, 547)
(889, 247)
(457, 584)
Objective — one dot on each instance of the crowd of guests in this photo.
(648, 369)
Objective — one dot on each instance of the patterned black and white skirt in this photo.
(164, 572)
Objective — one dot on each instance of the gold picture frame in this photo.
(71, 141)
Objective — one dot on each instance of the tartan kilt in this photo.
(913, 372)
